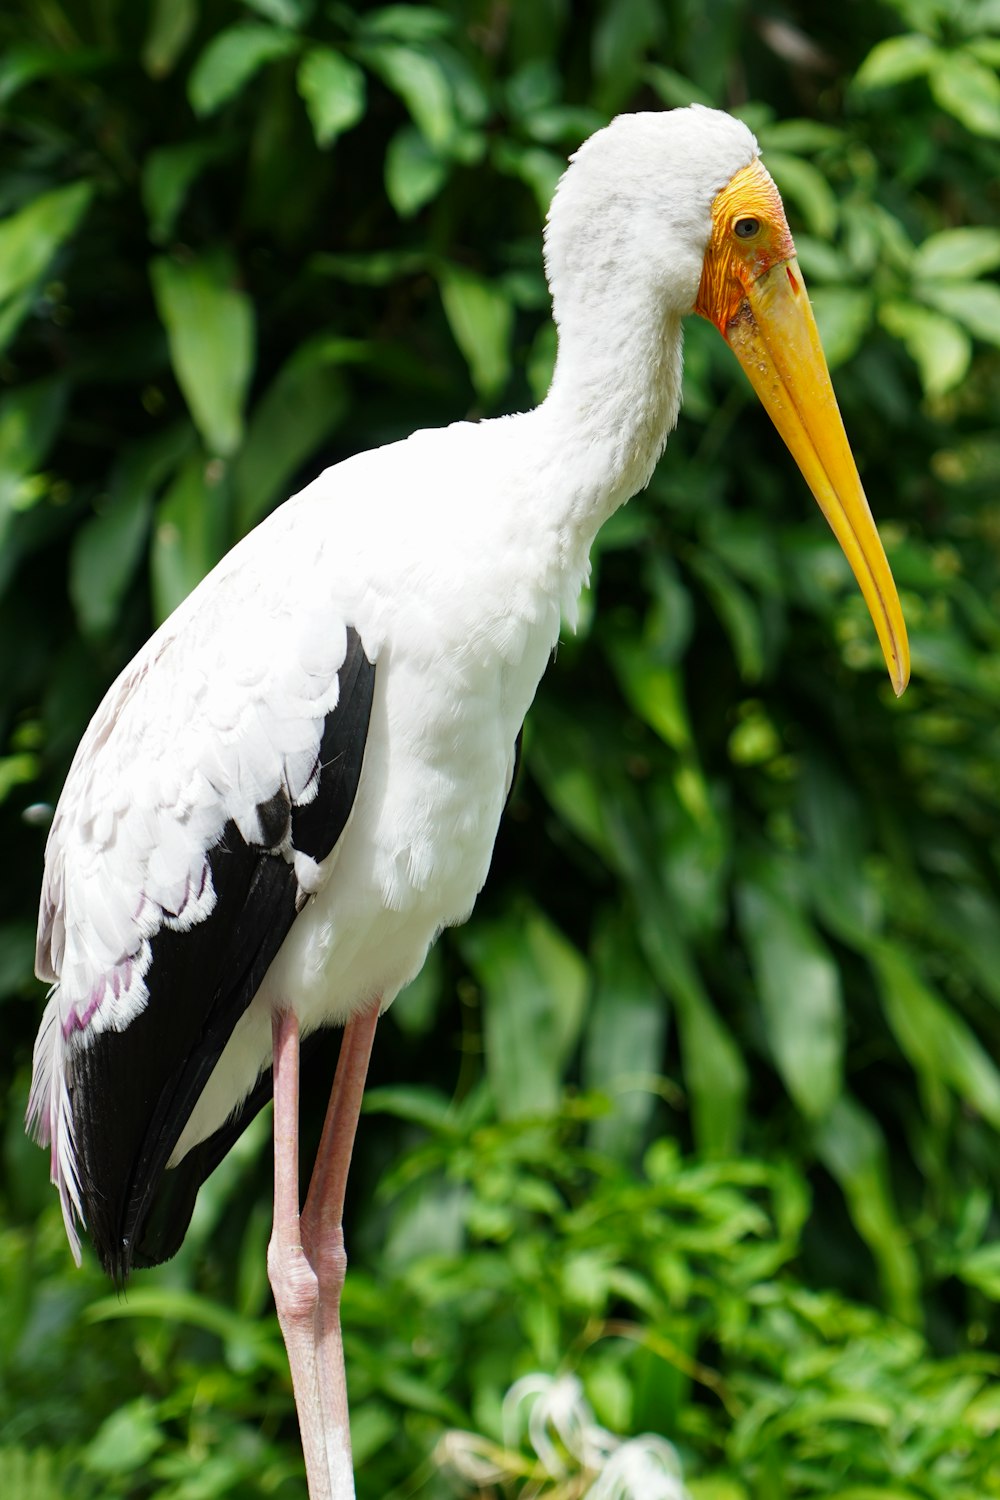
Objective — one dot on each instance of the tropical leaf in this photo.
(231, 60)
(210, 328)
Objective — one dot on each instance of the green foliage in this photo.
(744, 898)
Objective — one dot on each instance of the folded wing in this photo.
(209, 790)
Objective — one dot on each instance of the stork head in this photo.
(673, 212)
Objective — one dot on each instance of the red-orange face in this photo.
(750, 235)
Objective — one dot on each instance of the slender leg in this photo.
(293, 1280)
(306, 1261)
(323, 1237)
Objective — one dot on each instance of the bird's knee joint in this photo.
(294, 1283)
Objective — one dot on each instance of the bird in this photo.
(297, 783)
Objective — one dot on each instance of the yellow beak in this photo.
(774, 336)
(752, 290)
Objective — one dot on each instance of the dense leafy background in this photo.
(703, 1105)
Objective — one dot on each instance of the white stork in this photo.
(297, 783)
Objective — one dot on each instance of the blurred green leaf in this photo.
(303, 405)
(291, 13)
(714, 1071)
(623, 35)
(414, 172)
(415, 1009)
(969, 90)
(861, 239)
(408, 23)
(844, 315)
(481, 318)
(535, 984)
(167, 177)
(17, 953)
(12, 314)
(541, 363)
(25, 62)
(421, 1106)
(970, 916)
(176, 1305)
(108, 547)
(836, 853)
(540, 170)
(189, 534)
(126, 1440)
(981, 1269)
(936, 1040)
(806, 187)
(372, 1428)
(896, 60)
(420, 81)
(569, 781)
(754, 740)
(674, 89)
(655, 692)
(937, 345)
(16, 770)
(377, 269)
(29, 419)
(958, 253)
(798, 985)
(30, 238)
(171, 25)
(745, 542)
(800, 137)
(564, 123)
(38, 1475)
(852, 1147)
(974, 303)
(210, 328)
(986, 48)
(106, 553)
(623, 1040)
(735, 610)
(333, 88)
(821, 262)
(717, 1488)
(231, 59)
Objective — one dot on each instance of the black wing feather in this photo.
(341, 751)
(171, 1209)
(133, 1091)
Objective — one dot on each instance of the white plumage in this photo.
(298, 781)
(453, 554)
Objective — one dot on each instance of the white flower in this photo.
(645, 1468)
(569, 1444)
(559, 1412)
(471, 1457)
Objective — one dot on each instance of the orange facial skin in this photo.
(733, 263)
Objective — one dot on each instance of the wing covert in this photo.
(213, 782)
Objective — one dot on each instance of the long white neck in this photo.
(614, 399)
(591, 444)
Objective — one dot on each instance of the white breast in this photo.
(461, 640)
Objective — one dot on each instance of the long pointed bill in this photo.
(775, 338)
(752, 289)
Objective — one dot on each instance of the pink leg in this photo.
(293, 1280)
(323, 1234)
(305, 1259)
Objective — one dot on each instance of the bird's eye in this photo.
(745, 229)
